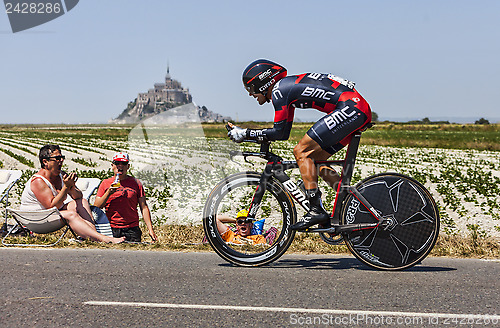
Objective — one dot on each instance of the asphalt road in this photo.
(113, 288)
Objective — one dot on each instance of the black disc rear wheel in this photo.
(411, 217)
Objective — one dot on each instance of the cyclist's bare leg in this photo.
(331, 177)
(306, 152)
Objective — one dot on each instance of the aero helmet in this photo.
(261, 74)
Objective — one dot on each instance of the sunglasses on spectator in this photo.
(120, 162)
(56, 158)
(243, 221)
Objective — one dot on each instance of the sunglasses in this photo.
(57, 158)
(120, 163)
(243, 221)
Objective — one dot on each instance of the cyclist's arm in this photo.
(283, 117)
(280, 131)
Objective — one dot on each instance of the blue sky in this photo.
(409, 59)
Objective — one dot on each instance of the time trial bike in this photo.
(388, 221)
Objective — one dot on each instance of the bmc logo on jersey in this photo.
(338, 116)
(317, 93)
(255, 133)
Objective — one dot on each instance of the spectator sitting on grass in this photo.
(245, 230)
(50, 187)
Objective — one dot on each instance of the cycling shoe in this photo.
(314, 216)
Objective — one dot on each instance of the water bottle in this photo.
(116, 183)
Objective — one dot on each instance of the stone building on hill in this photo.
(161, 98)
(164, 95)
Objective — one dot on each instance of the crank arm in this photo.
(355, 227)
(339, 228)
(325, 230)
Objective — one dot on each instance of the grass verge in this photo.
(189, 238)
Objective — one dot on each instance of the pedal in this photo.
(328, 234)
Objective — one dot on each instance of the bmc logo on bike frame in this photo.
(338, 116)
(296, 193)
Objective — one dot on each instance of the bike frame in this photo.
(276, 167)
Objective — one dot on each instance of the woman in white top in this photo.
(50, 187)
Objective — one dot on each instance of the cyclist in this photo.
(346, 111)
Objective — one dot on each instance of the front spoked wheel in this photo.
(410, 224)
(276, 212)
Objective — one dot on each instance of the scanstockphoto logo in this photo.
(26, 14)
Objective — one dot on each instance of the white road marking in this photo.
(299, 310)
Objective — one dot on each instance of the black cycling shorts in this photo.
(130, 234)
(332, 132)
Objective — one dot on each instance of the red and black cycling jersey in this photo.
(310, 90)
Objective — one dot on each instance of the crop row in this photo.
(178, 173)
(464, 183)
(18, 157)
(17, 146)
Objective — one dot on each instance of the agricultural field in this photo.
(459, 164)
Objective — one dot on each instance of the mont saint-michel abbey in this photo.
(162, 97)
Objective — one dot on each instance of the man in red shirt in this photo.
(120, 196)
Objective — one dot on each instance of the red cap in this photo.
(120, 157)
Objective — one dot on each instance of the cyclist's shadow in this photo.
(319, 263)
(341, 263)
